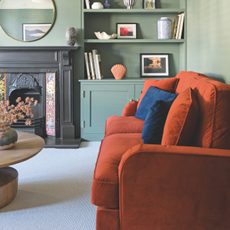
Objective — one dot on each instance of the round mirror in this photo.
(27, 20)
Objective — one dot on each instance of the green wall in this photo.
(208, 36)
(208, 39)
(12, 20)
(68, 14)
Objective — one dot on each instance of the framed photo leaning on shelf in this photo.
(149, 4)
(127, 30)
(154, 65)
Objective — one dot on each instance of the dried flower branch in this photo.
(10, 114)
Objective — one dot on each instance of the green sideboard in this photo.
(103, 98)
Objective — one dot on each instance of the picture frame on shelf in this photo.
(126, 30)
(33, 31)
(149, 4)
(154, 65)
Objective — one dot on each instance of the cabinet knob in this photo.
(130, 99)
(138, 99)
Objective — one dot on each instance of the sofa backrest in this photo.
(213, 126)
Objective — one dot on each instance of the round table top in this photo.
(27, 146)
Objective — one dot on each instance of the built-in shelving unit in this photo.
(103, 98)
(127, 51)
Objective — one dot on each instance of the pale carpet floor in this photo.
(54, 191)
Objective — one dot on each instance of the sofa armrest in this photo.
(130, 109)
(174, 187)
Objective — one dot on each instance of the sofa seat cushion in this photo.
(213, 127)
(122, 124)
(105, 186)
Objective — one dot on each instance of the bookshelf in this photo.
(107, 97)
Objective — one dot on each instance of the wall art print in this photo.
(127, 30)
(50, 104)
(32, 31)
(2, 86)
(154, 65)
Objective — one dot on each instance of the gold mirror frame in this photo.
(54, 17)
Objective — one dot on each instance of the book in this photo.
(174, 24)
(181, 26)
(92, 67)
(94, 53)
(177, 26)
(87, 65)
(87, 4)
(98, 60)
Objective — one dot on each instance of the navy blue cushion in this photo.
(154, 122)
(151, 96)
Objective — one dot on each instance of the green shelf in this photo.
(135, 41)
(154, 11)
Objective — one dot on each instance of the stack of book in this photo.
(93, 65)
(178, 25)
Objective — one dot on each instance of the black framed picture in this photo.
(127, 30)
(154, 65)
(33, 31)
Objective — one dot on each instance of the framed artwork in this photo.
(149, 4)
(154, 65)
(127, 30)
(33, 31)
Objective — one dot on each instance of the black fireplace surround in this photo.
(26, 69)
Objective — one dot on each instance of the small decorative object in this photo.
(70, 36)
(154, 65)
(129, 3)
(104, 35)
(118, 71)
(106, 4)
(149, 4)
(164, 28)
(125, 30)
(97, 6)
(10, 114)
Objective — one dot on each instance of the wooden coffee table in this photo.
(26, 147)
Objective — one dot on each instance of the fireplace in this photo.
(46, 74)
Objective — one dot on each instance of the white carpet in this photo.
(54, 191)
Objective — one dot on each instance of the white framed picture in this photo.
(32, 31)
(126, 30)
(149, 4)
(154, 65)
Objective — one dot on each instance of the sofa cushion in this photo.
(213, 127)
(151, 96)
(181, 120)
(121, 124)
(155, 121)
(168, 85)
(105, 184)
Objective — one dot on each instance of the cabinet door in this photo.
(100, 102)
(138, 90)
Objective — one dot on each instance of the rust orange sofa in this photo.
(167, 186)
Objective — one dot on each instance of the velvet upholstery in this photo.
(105, 184)
(165, 187)
(181, 120)
(152, 95)
(155, 121)
(123, 124)
(130, 109)
(168, 85)
(213, 128)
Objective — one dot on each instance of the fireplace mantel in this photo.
(41, 59)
